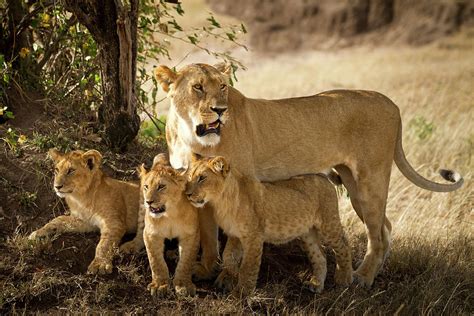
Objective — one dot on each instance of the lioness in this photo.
(359, 133)
(251, 213)
(168, 215)
(96, 202)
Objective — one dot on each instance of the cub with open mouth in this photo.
(168, 214)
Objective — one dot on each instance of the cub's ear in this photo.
(160, 159)
(141, 170)
(93, 158)
(55, 155)
(220, 165)
(195, 157)
(225, 68)
(165, 77)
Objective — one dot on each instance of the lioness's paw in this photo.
(188, 289)
(131, 247)
(159, 289)
(362, 279)
(314, 285)
(226, 281)
(100, 266)
(202, 273)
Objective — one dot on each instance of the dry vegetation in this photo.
(430, 269)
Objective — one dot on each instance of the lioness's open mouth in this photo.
(157, 210)
(211, 128)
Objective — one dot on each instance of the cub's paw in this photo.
(159, 289)
(343, 277)
(38, 235)
(314, 285)
(100, 266)
(185, 289)
(131, 247)
(202, 273)
(226, 281)
(363, 279)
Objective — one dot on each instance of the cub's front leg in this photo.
(228, 277)
(155, 246)
(62, 224)
(110, 237)
(189, 247)
(252, 248)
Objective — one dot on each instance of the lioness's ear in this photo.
(54, 154)
(160, 159)
(93, 158)
(219, 164)
(225, 68)
(141, 170)
(165, 77)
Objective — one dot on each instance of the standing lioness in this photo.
(357, 132)
(251, 213)
(96, 203)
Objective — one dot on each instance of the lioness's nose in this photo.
(149, 202)
(58, 187)
(219, 111)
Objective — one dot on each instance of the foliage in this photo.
(62, 56)
(423, 129)
(14, 140)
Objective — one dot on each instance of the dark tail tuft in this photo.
(450, 175)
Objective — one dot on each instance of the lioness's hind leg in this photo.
(312, 245)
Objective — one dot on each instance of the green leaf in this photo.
(192, 39)
(242, 26)
(213, 21)
(230, 36)
(179, 9)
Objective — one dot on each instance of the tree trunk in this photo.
(114, 28)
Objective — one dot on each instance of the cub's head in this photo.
(199, 93)
(74, 171)
(161, 186)
(206, 179)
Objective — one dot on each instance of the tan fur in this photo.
(163, 187)
(357, 132)
(96, 203)
(252, 213)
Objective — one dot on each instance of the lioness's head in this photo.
(161, 186)
(74, 171)
(206, 178)
(199, 93)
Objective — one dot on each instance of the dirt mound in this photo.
(285, 25)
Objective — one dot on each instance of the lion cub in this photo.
(168, 215)
(251, 213)
(96, 202)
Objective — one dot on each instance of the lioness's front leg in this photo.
(252, 248)
(228, 277)
(183, 284)
(62, 224)
(110, 237)
(207, 268)
(155, 246)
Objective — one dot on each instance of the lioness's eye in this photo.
(161, 187)
(198, 87)
(223, 86)
(70, 170)
(145, 186)
(201, 179)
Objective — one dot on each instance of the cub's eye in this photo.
(161, 187)
(223, 86)
(198, 87)
(145, 186)
(70, 171)
(201, 179)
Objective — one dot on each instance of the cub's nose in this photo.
(149, 202)
(219, 111)
(58, 187)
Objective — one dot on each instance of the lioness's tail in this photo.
(411, 174)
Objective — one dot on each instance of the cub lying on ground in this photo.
(251, 213)
(96, 201)
(168, 215)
